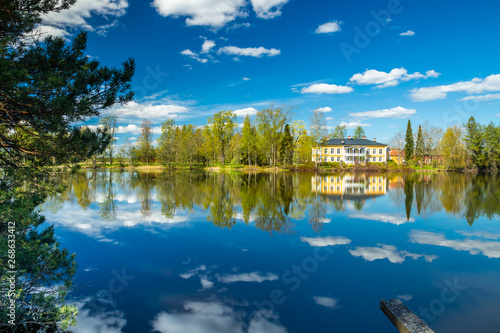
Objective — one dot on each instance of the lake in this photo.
(285, 252)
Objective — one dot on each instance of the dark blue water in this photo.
(195, 252)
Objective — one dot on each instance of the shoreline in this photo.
(364, 169)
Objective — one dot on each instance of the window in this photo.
(368, 151)
(361, 150)
(338, 158)
(332, 159)
(325, 159)
(380, 159)
(380, 151)
(338, 151)
(325, 150)
(332, 151)
(368, 159)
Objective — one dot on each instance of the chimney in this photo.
(374, 139)
(349, 137)
(328, 138)
(342, 141)
(364, 137)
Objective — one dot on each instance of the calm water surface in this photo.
(208, 252)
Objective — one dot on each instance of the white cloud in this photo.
(246, 111)
(323, 88)
(193, 272)
(215, 317)
(481, 98)
(488, 248)
(329, 27)
(206, 283)
(353, 124)
(207, 46)
(246, 79)
(386, 218)
(102, 321)
(325, 109)
(405, 297)
(407, 33)
(194, 56)
(474, 86)
(78, 15)
(326, 301)
(247, 277)
(326, 241)
(211, 13)
(89, 221)
(482, 234)
(387, 252)
(397, 112)
(51, 31)
(267, 9)
(135, 112)
(256, 52)
(391, 79)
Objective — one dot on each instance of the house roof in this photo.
(396, 152)
(351, 142)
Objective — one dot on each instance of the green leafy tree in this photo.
(409, 144)
(166, 153)
(248, 140)
(491, 144)
(222, 129)
(145, 146)
(453, 148)
(339, 132)
(359, 132)
(317, 130)
(270, 124)
(286, 147)
(209, 145)
(110, 123)
(298, 130)
(474, 143)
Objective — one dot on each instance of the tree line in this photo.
(467, 146)
(271, 138)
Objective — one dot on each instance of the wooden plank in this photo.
(403, 318)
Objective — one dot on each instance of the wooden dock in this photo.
(403, 318)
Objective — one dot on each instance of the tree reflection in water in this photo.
(273, 201)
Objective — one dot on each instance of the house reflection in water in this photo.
(350, 186)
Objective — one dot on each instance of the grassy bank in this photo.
(310, 167)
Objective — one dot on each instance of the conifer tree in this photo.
(474, 143)
(419, 149)
(286, 148)
(409, 143)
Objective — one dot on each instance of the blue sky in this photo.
(374, 63)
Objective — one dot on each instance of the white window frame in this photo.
(380, 159)
(380, 152)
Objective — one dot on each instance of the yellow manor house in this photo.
(351, 151)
